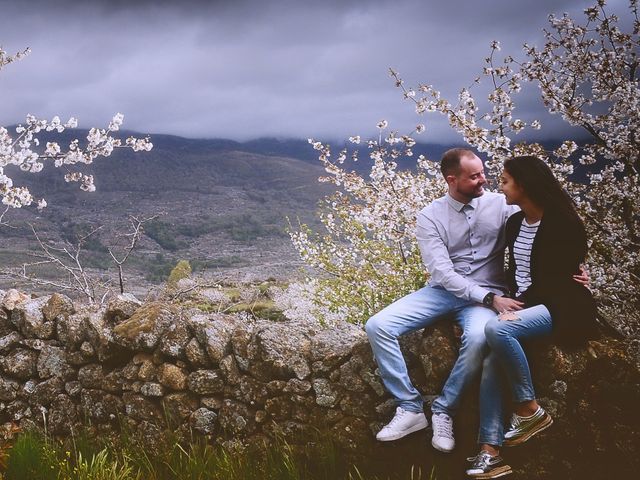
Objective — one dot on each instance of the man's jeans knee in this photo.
(375, 327)
(418, 310)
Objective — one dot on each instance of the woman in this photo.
(547, 243)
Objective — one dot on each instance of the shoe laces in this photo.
(400, 412)
(515, 421)
(443, 426)
(483, 458)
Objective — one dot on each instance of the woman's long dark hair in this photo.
(541, 186)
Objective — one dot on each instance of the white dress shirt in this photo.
(462, 245)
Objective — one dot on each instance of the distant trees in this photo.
(588, 74)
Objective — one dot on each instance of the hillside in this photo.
(222, 207)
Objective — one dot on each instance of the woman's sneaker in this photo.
(485, 465)
(523, 428)
(402, 424)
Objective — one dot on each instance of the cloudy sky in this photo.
(244, 69)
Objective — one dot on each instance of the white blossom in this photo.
(23, 149)
(587, 74)
(116, 122)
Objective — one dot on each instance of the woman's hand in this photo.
(583, 277)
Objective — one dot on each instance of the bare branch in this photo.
(196, 286)
(66, 260)
(137, 229)
(3, 223)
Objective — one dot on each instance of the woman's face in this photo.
(513, 193)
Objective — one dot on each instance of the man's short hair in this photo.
(450, 163)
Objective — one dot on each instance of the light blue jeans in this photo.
(418, 310)
(505, 364)
(504, 338)
(492, 389)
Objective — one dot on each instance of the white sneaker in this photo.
(402, 424)
(442, 432)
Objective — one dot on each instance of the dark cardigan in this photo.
(559, 247)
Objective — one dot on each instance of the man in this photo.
(461, 238)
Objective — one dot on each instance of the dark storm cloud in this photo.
(245, 69)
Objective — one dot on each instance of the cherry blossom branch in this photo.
(23, 149)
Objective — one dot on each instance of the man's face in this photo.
(469, 182)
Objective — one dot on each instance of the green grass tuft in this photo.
(35, 456)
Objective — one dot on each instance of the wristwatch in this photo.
(487, 301)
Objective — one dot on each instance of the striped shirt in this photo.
(522, 254)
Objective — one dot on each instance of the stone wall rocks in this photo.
(29, 319)
(144, 328)
(143, 365)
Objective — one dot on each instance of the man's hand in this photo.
(506, 304)
(583, 277)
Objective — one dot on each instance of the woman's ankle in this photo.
(526, 409)
(493, 450)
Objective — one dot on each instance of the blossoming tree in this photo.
(586, 73)
(24, 151)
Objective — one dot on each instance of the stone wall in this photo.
(155, 365)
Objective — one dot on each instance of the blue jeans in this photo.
(418, 310)
(504, 338)
(492, 387)
(507, 363)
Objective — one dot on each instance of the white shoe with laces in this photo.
(442, 432)
(403, 423)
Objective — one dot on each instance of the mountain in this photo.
(223, 206)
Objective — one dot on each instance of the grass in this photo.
(254, 299)
(35, 456)
(259, 308)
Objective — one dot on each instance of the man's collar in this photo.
(458, 206)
